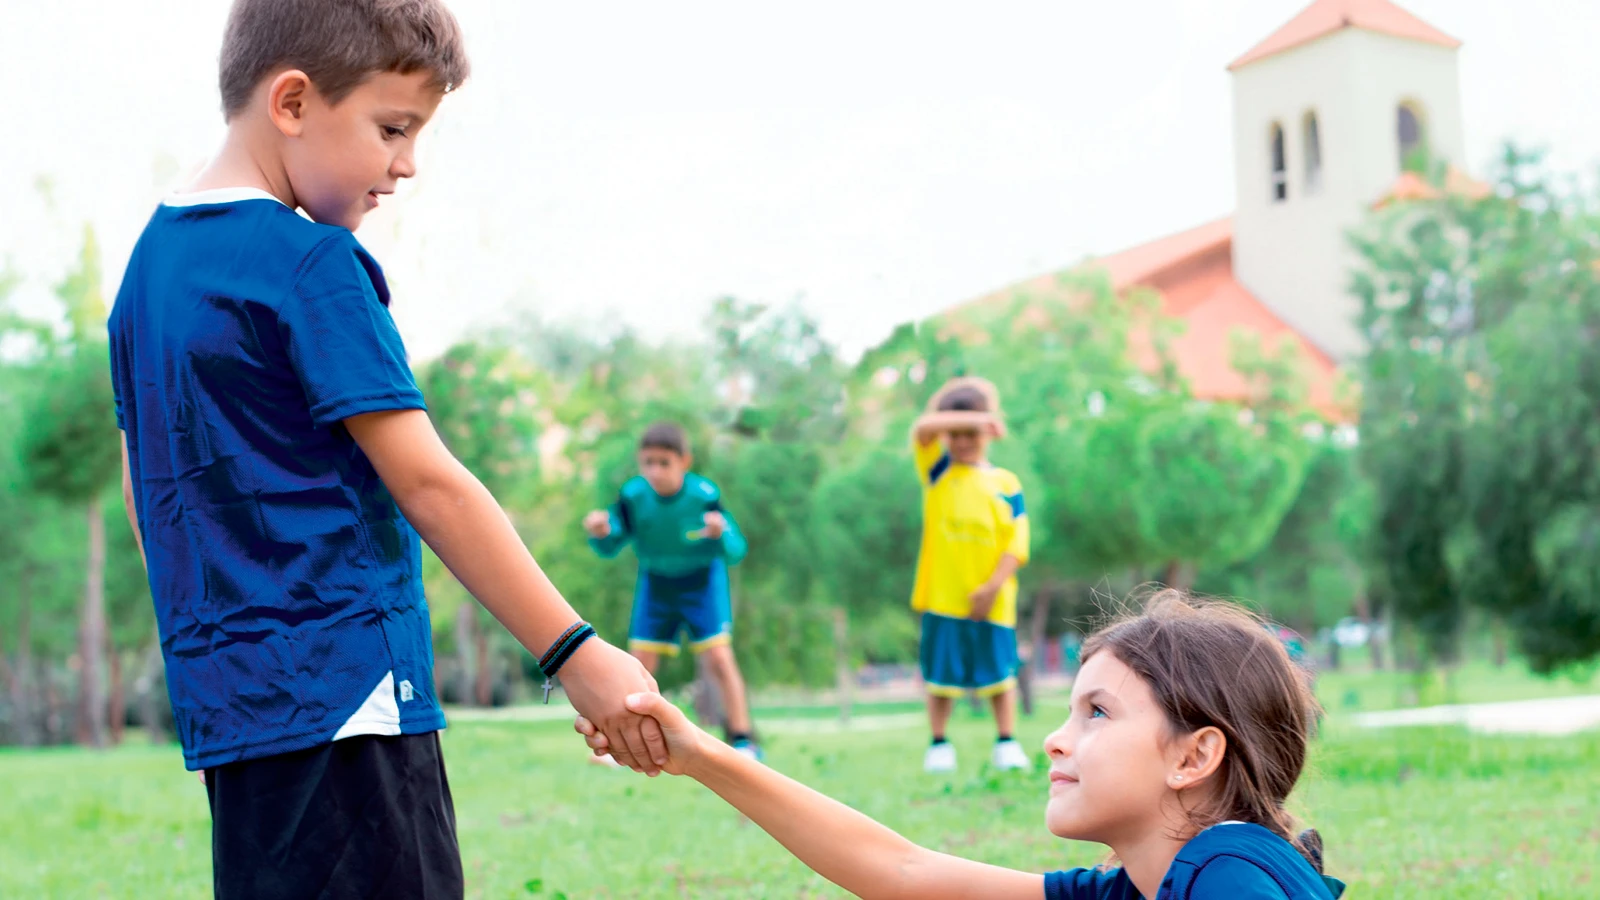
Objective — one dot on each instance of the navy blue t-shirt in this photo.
(287, 585)
(1231, 861)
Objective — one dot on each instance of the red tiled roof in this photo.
(1411, 186)
(1192, 272)
(1325, 17)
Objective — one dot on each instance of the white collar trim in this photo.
(218, 195)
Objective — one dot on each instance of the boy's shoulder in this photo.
(635, 488)
(698, 485)
(282, 245)
(1004, 479)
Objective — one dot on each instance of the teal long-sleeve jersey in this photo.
(666, 532)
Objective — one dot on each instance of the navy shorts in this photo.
(960, 655)
(666, 605)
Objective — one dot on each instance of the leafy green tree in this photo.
(70, 452)
(1478, 430)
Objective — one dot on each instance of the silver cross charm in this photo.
(548, 687)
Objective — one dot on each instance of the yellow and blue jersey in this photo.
(971, 517)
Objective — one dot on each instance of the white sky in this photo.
(630, 161)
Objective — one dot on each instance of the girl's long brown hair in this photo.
(1214, 664)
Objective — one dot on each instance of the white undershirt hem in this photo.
(379, 714)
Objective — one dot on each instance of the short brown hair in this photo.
(338, 44)
(665, 436)
(966, 394)
(1213, 664)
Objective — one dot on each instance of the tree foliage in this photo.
(1479, 426)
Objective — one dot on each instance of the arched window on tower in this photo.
(1411, 137)
(1312, 137)
(1280, 168)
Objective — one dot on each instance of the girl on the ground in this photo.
(1187, 732)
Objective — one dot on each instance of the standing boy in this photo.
(974, 539)
(685, 542)
(279, 467)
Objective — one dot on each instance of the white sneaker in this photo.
(1009, 755)
(940, 758)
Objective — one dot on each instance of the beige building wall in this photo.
(1292, 253)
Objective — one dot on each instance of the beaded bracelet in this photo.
(561, 651)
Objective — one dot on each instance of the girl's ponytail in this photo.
(1309, 843)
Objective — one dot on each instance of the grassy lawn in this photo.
(1406, 813)
(1361, 689)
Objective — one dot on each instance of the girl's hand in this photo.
(687, 745)
(715, 526)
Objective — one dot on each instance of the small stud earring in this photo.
(1178, 778)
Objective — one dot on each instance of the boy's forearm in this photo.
(734, 546)
(128, 504)
(1007, 567)
(463, 524)
(461, 521)
(930, 425)
(611, 545)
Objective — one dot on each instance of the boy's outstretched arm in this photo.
(929, 426)
(849, 849)
(734, 545)
(608, 531)
(464, 525)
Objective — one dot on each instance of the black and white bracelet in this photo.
(561, 651)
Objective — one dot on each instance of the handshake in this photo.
(621, 714)
(684, 744)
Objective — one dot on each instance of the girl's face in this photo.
(1110, 763)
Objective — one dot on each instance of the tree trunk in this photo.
(466, 624)
(1376, 643)
(117, 703)
(1178, 576)
(92, 633)
(483, 683)
(150, 695)
(1038, 627)
(844, 676)
(19, 677)
(55, 725)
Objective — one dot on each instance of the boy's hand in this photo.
(686, 744)
(716, 525)
(598, 524)
(983, 601)
(597, 679)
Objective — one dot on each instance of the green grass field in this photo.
(1405, 813)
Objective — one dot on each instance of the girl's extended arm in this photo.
(840, 844)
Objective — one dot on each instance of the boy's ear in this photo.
(287, 95)
(688, 460)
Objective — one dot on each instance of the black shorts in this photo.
(363, 817)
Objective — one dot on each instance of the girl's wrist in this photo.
(709, 759)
